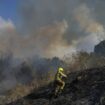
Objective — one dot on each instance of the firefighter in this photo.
(59, 82)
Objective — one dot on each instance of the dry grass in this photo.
(22, 90)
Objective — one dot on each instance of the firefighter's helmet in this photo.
(60, 69)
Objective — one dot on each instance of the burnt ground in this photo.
(85, 87)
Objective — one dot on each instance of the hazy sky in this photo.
(9, 9)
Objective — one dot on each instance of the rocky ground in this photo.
(82, 88)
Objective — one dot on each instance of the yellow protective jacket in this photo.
(59, 76)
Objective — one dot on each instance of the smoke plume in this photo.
(53, 28)
(94, 31)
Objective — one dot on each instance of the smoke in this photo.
(86, 20)
(53, 28)
(83, 27)
(6, 31)
(94, 31)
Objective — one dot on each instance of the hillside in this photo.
(100, 48)
(82, 88)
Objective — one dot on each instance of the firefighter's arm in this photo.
(64, 75)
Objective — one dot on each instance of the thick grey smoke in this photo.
(53, 27)
(80, 16)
